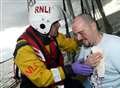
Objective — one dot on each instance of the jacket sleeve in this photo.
(35, 69)
(67, 44)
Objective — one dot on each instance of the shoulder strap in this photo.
(59, 54)
(35, 40)
(39, 43)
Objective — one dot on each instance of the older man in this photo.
(107, 73)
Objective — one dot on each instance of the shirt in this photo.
(110, 45)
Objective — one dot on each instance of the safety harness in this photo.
(53, 58)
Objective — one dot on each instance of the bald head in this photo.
(81, 22)
(84, 18)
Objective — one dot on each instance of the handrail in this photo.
(6, 60)
(15, 82)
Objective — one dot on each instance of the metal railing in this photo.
(7, 79)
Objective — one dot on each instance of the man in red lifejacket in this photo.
(38, 50)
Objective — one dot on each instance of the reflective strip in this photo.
(56, 74)
(40, 54)
(60, 86)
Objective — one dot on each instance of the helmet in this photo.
(43, 13)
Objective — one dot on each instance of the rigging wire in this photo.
(70, 9)
(107, 25)
(65, 18)
(95, 12)
(5, 60)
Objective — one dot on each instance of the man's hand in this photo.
(93, 59)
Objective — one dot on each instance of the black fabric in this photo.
(73, 83)
(68, 71)
(17, 76)
(68, 83)
(26, 83)
(58, 51)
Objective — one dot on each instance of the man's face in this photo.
(83, 32)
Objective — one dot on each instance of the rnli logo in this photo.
(42, 9)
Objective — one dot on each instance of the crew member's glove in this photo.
(81, 69)
(77, 68)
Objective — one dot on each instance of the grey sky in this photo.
(13, 13)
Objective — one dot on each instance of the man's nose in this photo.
(79, 37)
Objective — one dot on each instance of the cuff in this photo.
(56, 74)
